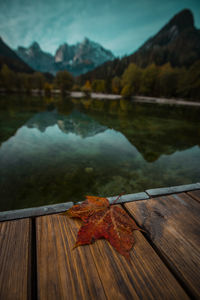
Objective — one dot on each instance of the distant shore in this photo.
(140, 99)
(101, 96)
(165, 101)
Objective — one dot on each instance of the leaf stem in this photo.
(117, 198)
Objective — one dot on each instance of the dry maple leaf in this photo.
(104, 221)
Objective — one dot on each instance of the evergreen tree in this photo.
(99, 86)
(189, 82)
(116, 85)
(131, 79)
(167, 81)
(64, 81)
(148, 80)
(8, 78)
(38, 80)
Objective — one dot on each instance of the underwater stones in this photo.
(88, 170)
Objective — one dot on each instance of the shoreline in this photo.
(144, 99)
(138, 99)
(101, 96)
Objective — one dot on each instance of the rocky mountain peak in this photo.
(11, 59)
(81, 57)
(65, 53)
(35, 57)
(77, 59)
(86, 41)
(181, 22)
(184, 19)
(177, 43)
(35, 46)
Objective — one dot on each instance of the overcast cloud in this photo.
(121, 26)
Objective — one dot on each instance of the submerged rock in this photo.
(88, 170)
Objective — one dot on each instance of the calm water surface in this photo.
(54, 150)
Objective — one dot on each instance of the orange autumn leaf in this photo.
(104, 221)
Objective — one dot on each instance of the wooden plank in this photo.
(174, 227)
(143, 277)
(173, 189)
(64, 273)
(34, 211)
(97, 271)
(15, 260)
(195, 195)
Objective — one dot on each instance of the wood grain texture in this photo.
(64, 273)
(97, 271)
(15, 241)
(195, 195)
(143, 277)
(173, 225)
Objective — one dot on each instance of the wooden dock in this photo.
(37, 260)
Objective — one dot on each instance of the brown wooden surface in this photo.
(97, 271)
(15, 260)
(173, 224)
(64, 273)
(195, 195)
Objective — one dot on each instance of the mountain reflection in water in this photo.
(48, 134)
(63, 153)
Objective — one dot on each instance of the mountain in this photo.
(36, 58)
(178, 42)
(82, 57)
(77, 59)
(78, 123)
(12, 60)
(65, 53)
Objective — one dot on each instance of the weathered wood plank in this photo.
(143, 277)
(129, 197)
(126, 198)
(195, 195)
(173, 189)
(174, 227)
(15, 260)
(97, 271)
(34, 211)
(64, 273)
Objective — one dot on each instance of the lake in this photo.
(57, 150)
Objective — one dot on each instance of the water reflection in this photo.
(65, 150)
(153, 129)
(50, 145)
(77, 123)
(49, 133)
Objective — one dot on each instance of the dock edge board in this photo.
(61, 207)
(34, 211)
(129, 198)
(173, 189)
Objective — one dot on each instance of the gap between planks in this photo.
(159, 216)
(144, 276)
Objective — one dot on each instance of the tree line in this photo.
(156, 81)
(23, 82)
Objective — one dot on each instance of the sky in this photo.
(121, 26)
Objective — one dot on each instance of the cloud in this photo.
(121, 26)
